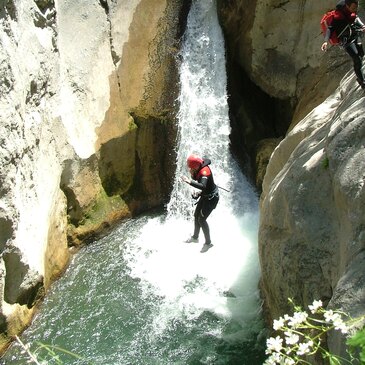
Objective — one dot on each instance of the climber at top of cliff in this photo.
(345, 25)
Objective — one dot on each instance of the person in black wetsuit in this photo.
(202, 179)
(346, 24)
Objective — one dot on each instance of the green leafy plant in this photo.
(303, 335)
(356, 345)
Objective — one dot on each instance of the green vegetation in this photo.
(325, 163)
(105, 211)
(103, 207)
(302, 336)
(356, 345)
(132, 125)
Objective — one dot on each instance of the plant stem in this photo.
(31, 356)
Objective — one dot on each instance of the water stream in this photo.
(143, 296)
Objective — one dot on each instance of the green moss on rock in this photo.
(102, 214)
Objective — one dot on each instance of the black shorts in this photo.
(205, 206)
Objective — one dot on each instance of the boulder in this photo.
(311, 232)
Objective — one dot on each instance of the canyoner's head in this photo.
(352, 5)
(194, 163)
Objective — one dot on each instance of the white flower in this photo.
(289, 361)
(291, 338)
(270, 361)
(304, 348)
(328, 315)
(297, 319)
(344, 329)
(278, 324)
(275, 358)
(331, 316)
(340, 325)
(315, 306)
(336, 319)
(287, 317)
(274, 344)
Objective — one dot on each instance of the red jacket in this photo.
(340, 23)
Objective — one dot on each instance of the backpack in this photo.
(325, 22)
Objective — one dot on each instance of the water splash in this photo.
(190, 282)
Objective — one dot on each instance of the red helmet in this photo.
(194, 162)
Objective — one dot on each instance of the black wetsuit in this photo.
(208, 199)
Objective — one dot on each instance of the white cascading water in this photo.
(203, 116)
(231, 266)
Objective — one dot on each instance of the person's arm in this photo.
(200, 185)
(326, 38)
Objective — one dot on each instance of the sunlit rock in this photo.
(311, 231)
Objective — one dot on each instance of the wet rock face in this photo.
(87, 93)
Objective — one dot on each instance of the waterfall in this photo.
(223, 281)
(203, 116)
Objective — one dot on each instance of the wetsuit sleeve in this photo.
(328, 34)
(200, 185)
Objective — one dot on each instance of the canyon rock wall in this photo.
(311, 235)
(276, 70)
(87, 93)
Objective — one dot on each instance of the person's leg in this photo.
(196, 219)
(356, 54)
(205, 227)
(206, 209)
(360, 49)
